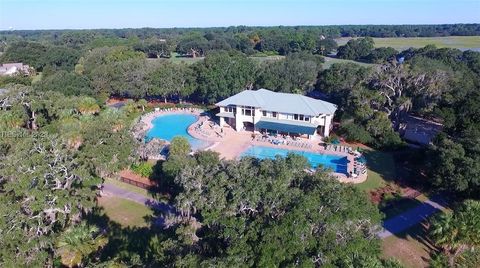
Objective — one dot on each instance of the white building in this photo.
(15, 68)
(284, 113)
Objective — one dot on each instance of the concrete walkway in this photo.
(411, 217)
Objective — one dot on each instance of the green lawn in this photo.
(330, 61)
(402, 43)
(411, 247)
(381, 169)
(176, 58)
(262, 59)
(125, 212)
(37, 78)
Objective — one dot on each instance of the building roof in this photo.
(287, 126)
(229, 115)
(280, 102)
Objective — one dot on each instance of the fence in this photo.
(135, 183)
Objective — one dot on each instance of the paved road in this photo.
(391, 226)
(411, 217)
(163, 208)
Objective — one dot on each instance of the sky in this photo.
(94, 14)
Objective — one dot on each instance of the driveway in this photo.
(411, 217)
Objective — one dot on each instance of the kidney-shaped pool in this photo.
(167, 126)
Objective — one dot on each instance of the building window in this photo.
(264, 113)
(274, 114)
(295, 116)
(248, 112)
(307, 118)
(229, 109)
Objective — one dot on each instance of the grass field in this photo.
(330, 61)
(178, 59)
(37, 78)
(401, 43)
(267, 58)
(381, 169)
(412, 247)
(125, 212)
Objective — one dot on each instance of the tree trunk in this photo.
(33, 121)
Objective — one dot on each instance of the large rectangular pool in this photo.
(334, 162)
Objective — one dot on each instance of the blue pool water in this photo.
(334, 162)
(167, 126)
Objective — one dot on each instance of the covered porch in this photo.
(226, 119)
(286, 127)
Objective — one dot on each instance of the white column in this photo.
(326, 130)
(222, 121)
(238, 119)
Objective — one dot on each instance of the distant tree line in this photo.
(197, 41)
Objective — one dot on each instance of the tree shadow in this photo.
(125, 242)
(407, 223)
(164, 188)
(410, 168)
(161, 211)
(398, 205)
(381, 163)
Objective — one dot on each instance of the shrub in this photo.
(143, 169)
(355, 133)
(331, 138)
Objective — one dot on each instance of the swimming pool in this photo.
(336, 163)
(167, 126)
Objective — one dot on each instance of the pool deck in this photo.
(230, 143)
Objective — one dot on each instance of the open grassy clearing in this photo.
(381, 170)
(175, 58)
(329, 61)
(412, 247)
(125, 212)
(402, 43)
(262, 59)
(37, 78)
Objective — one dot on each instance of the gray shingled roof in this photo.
(280, 102)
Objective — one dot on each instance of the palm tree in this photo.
(88, 105)
(456, 232)
(142, 103)
(77, 243)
